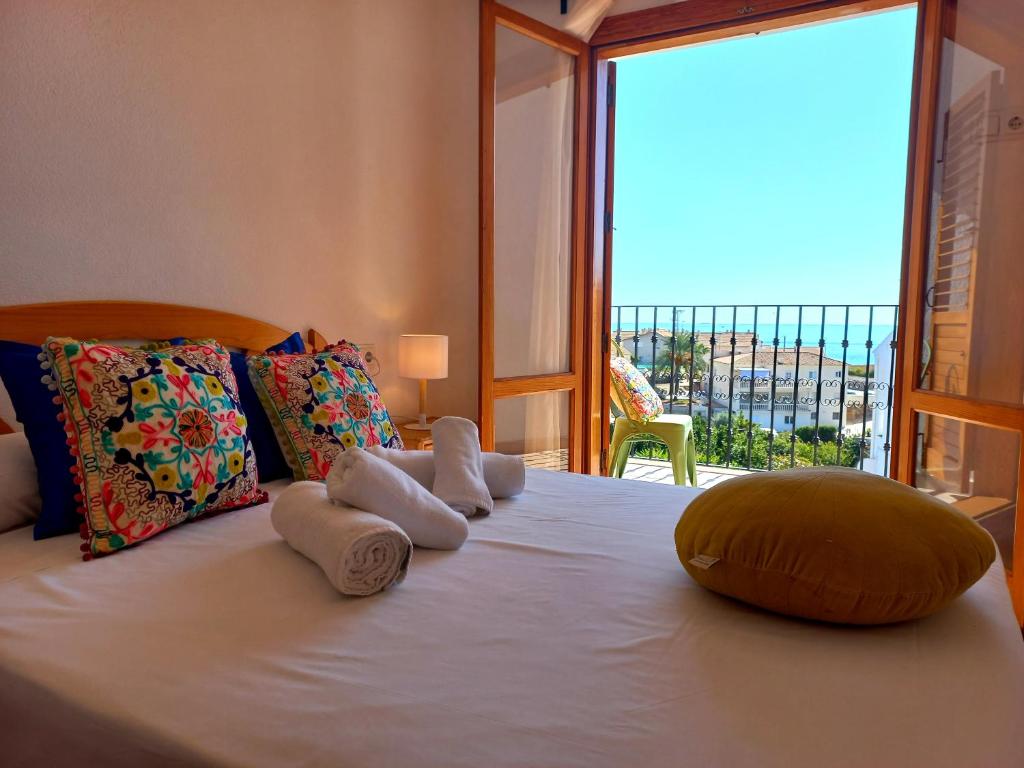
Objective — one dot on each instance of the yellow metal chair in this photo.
(674, 431)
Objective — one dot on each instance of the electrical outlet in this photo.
(1005, 124)
(1015, 122)
(368, 351)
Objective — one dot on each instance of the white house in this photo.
(797, 402)
(641, 347)
(880, 417)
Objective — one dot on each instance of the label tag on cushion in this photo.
(703, 561)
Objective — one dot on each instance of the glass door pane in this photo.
(533, 205)
(974, 310)
(533, 86)
(535, 427)
(974, 468)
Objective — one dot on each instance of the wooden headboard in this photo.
(33, 323)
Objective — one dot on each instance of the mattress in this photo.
(564, 633)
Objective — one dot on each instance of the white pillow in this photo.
(19, 491)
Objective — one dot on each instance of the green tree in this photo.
(860, 371)
(826, 434)
(679, 357)
(750, 445)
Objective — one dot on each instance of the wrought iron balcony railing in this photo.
(771, 386)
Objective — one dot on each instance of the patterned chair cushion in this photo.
(158, 435)
(637, 397)
(321, 404)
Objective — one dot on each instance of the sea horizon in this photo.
(857, 336)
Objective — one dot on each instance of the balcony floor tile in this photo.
(654, 471)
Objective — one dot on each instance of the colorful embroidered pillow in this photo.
(637, 397)
(37, 413)
(159, 437)
(320, 405)
(270, 462)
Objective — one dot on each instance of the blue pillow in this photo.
(38, 414)
(35, 409)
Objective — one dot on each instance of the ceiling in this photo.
(584, 16)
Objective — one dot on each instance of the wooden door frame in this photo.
(492, 15)
(673, 26)
(693, 21)
(938, 22)
(601, 176)
(915, 253)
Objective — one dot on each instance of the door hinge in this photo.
(611, 94)
(608, 221)
(604, 460)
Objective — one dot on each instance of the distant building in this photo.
(643, 347)
(809, 386)
(799, 374)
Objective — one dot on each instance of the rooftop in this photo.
(786, 356)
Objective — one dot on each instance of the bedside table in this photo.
(416, 439)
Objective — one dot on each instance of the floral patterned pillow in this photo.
(159, 437)
(639, 400)
(321, 404)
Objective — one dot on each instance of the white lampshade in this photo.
(422, 356)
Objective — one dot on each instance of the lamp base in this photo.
(421, 425)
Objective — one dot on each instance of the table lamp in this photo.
(422, 356)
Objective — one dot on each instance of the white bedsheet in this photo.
(564, 633)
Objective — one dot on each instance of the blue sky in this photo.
(765, 169)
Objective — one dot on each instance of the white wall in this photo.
(306, 162)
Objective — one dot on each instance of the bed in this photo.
(564, 633)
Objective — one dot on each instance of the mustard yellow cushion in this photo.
(831, 544)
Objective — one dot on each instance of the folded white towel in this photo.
(505, 476)
(459, 467)
(361, 553)
(362, 480)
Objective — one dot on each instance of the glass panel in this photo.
(533, 140)
(975, 469)
(975, 270)
(535, 427)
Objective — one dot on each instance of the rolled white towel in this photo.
(505, 476)
(359, 552)
(459, 467)
(419, 465)
(362, 480)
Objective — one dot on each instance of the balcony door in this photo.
(962, 416)
(534, 82)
